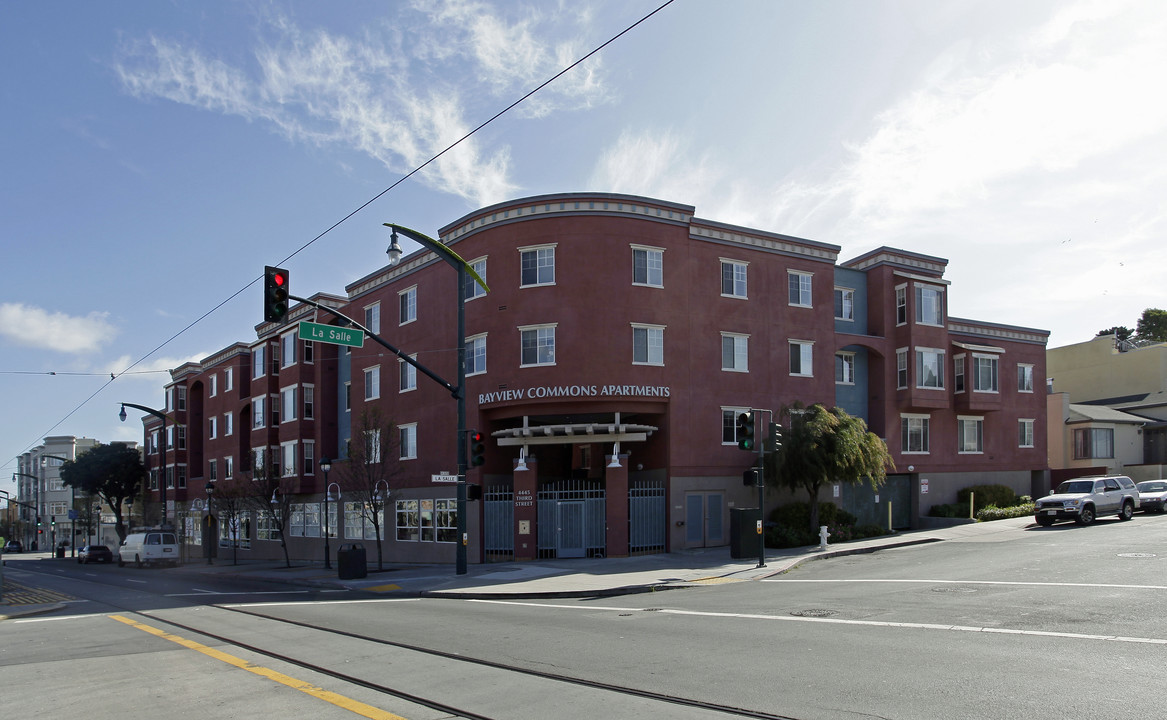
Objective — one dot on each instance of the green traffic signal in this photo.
(745, 431)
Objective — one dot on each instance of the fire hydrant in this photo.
(823, 535)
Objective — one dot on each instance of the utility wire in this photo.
(338, 223)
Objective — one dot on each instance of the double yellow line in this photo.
(341, 701)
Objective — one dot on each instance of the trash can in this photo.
(60, 552)
(743, 532)
(350, 562)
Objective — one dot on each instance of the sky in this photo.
(154, 156)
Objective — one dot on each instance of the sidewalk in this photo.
(583, 577)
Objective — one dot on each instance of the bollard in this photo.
(823, 535)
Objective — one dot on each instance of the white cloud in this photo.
(39, 328)
(399, 94)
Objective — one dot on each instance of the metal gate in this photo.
(647, 520)
(498, 523)
(571, 519)
(704, 519)
(896, 493)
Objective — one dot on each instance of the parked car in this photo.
(94, 553)
(1084, 499)
(13, 546)
(149, 548)
(1153, 495)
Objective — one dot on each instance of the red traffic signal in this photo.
(275, 293)
(477, 448)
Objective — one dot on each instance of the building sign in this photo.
(523, 498)
(542, 392)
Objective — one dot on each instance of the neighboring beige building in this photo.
(1112, 407)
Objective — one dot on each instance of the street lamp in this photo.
(161, 451)
(325, 466)
(451, 258)
(210, 542)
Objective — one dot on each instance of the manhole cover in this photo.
(954, 589)
(813, 613)
(1136, 555)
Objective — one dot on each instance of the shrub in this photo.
(1001, 496)
(786, 536)
(798, 515)
(866, 531)
(791, 525)
(952, 510)
(995, 513)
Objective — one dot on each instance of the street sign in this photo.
(316, 332)
(443, 478)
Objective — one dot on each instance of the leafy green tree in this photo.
(113, 472)
(1119, 332)
(820, 446)
(1152, 325)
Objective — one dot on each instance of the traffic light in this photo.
(750, 477)
(745, 431)
(775, 436)
(275, 293)
(473, 492)
(477, 448)
(53, 520)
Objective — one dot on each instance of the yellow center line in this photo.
(341, 701)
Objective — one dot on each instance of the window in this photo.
(476, 354)
(958, 373)
(309, 457)
(407, 375)
(407, 437)
(733, 278)
(288, 349)
(801, 358)
(648, 266)
(426, 515)
(373, 382)
(287, 459)
(970, 435)
(309, 402)
(304, 520)
(275, 410)
(259, 413)
(1025, 378)
(348, 397)
(309, 352)
(799, 283)
(288, 404)
(902, 368)
(929, 305)
(929, 368)
(844, 304)
(538, 345)
(181, 398)
(735, 351)
(902, 305)
(984, 373)
(914, 433)
(266, 528)
(1091, 443)
(648, 345)
(729, 424)
(214, 429)
(845, 368)
(228, 466)
(213, 470)
(407, 305)
(257, 360)
(373, 317)
(537, 266)
(228, 424)
(214, 384)
(446, 519)
(471, 289)
(1025, 433)
(408, 521)
(229, 379)
(357, 526)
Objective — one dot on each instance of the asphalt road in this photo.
(1053, 622)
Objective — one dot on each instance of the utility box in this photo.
(743, 532)
(351, 563)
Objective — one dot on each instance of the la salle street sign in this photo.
(332, 334)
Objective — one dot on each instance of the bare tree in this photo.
(371, 470)
(229, 501)
(269, 495)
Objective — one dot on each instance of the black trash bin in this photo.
(60, 551)
(350, 562)
(743, 532)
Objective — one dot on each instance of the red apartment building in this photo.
(619, 339)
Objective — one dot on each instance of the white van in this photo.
(149, 548)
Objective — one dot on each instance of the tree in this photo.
(1119, 332)
(820, 446)
(229, 501)
(1152, 326)
(114, 472)
(368, 473)
(269, 495)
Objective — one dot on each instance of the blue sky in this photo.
(156, 155)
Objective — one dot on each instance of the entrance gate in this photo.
(498, 523)
(704, 523)
(647, 521)
(572, 518)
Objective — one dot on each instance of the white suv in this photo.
(1083, 499)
